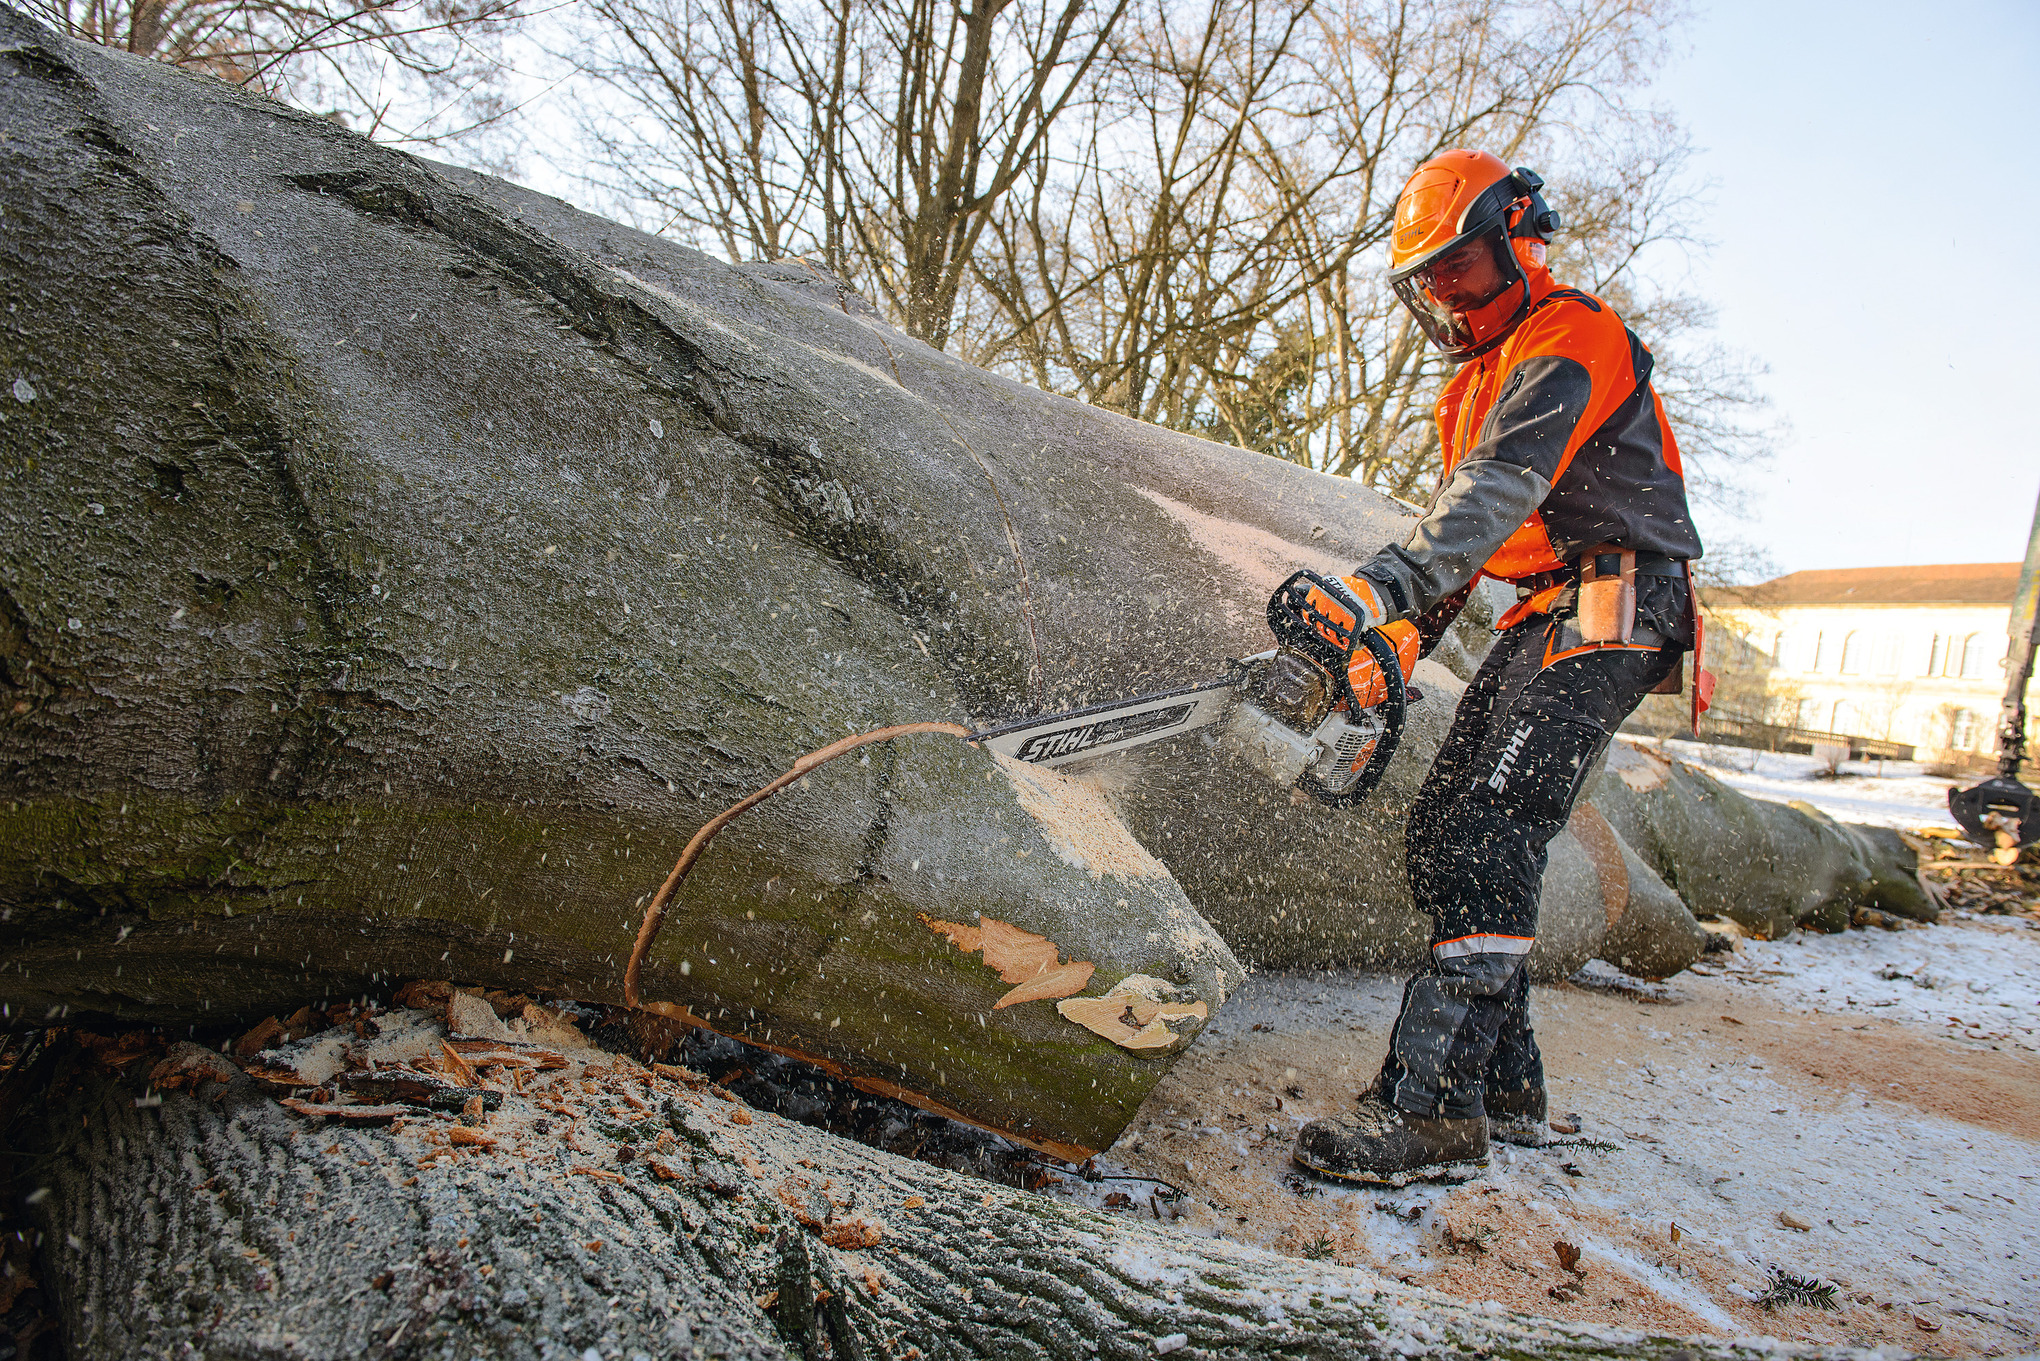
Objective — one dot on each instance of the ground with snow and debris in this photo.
(1827, 1138)
(1857, 1111)
(586, 1203)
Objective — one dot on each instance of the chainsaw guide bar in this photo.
(1292, 709)
(1100, 729)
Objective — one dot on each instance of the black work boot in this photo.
(1518, 1117)
(1521, 1118)
(1384, 1145)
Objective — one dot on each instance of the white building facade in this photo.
(1914, 655)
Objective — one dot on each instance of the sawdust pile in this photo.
(1079, 823)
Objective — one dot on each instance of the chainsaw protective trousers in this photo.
(1522, 743)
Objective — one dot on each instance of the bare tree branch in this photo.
(1175, 209)
(317, 52)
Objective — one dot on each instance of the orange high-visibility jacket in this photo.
(1554, 442)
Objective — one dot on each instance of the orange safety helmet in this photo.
(1459, 200)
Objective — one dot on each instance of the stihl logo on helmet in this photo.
(1452, 261)
(1422, 208)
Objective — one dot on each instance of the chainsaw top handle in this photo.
(1299, 625)
(1303, 627)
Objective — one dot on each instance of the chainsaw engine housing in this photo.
(1291, 732)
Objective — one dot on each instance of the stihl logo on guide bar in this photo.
(1500, 779)
(1051, 745)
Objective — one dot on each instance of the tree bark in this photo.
(1769, 867)
(394, 588)
(216, 1224)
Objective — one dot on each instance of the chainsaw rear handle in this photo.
(1291, 620)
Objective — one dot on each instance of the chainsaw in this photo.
(1292, 707)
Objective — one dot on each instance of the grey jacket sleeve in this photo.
(1504, 477)
(1480, 507)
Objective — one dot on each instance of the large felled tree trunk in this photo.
(1769, 867)
(397, 567)
(216, 1224)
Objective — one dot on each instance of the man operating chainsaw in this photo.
(1561, 478)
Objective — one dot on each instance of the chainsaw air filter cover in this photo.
(1295, 690)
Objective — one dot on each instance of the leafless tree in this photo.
(352, 59)
(1210, 255)
(879, 137)
(1137, 273)
(1176, 209)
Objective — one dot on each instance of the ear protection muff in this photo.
(1532, 221)
(1537, 218)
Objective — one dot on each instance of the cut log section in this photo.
(632, 1211)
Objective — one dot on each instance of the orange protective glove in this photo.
(1363, 673)
(1334, 620)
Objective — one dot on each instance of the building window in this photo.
(1937, 655)
(1972, 657)
(1778, 649)
(1843, 718)
(1819, 646)
(1889, 654)
(1809, 714)
(1962, 730)
(1852, 652)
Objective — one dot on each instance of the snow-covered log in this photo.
(1768, 867)
(643, 1213)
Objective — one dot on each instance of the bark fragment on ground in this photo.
(1966, 878)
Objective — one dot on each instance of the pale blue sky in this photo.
(1876, 220)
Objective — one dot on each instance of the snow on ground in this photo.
(1815, 1078)
(1884, 794)
(1981, 983)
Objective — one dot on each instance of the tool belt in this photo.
(1605, 579)
(1601, 585)
(1647, 565)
